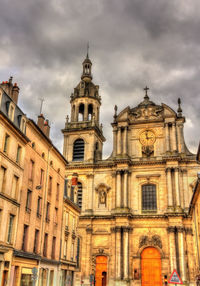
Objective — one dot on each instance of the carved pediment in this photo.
(150, 112)
(155, 240)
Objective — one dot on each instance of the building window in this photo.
(45, 244)
(50, 185)
(65, 249)
(53, 248)
(6, 143)
(65, 188)
(25, 237)
(23, 125)
(78, 150)
(28, 201)
(18, 157)
(31, 170)
(56, 217)
(149, 201)
(78, 252)
(41, 177)
(10, 228)
(14, 189)
(2, 178)
(39, 201)
(11, 112)
(72, 251)
(57, 191)
(48, 212)
(79, 195)
(36, 240)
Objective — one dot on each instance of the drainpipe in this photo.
(44, 208)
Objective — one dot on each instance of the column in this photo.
(174, 141)
(118, 189)
(176, 173)
(172, 251)
(180, 138)
(119, 149)
(185, 189)
(118, 252)
(181, 252)
(126, 251)
(125, 143)
(169, 187)
(90, 191)
(76, 113)
(125, 203)
(85, 116)
(167, 137)
(114, 141)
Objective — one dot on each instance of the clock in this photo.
(147, 138)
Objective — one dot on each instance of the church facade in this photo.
(134, 224)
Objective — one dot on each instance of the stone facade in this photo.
(136, 199)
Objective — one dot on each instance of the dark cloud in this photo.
(133, 43)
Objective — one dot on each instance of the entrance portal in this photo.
(101, 271)
(151, 267)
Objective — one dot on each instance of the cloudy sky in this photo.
(133, 43)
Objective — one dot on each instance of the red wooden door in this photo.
(151, 267)
(101, 271)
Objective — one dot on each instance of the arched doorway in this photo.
(101, 271)
(151, 267)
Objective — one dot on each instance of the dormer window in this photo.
(23, 124)
(11, 111)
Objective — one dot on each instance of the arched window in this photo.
(78, 150)
(149, 201)
(79, 195)
(81, 112)
(90, 111)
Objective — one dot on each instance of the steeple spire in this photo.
(87, 56)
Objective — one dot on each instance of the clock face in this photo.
(147, 138)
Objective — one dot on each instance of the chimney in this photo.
(40, 122)
(15, 93)
(46, 128)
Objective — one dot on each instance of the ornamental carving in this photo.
(155, 240)
(102, 191)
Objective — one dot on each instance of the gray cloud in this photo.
(133, 43)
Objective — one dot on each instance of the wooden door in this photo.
(101, 271)
(4, 278)
(151, 267)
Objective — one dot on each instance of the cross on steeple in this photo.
(146, 94)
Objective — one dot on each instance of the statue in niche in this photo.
(102, 197)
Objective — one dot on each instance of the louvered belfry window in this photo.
(149, 202)
(79, 195)
(78, 150)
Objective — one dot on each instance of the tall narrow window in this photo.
(50, 185)
(45, 244)
(39, 201)
(28, 201)
(149, 201)
(48, 212)
(56, 216)
(6, 143)
(81, 112)
(25, 237)
(79, 195)
(41, 177)
(11, 112)
(78, 150)
(14, 189)
(2, 178)
(78, 252)
(31, 170)
(53, 248)
(72, 251)
(36, 240)
(65, 188)
(18, 157)
(57, 191)
(10, 228)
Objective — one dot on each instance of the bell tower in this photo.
(83, 136)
